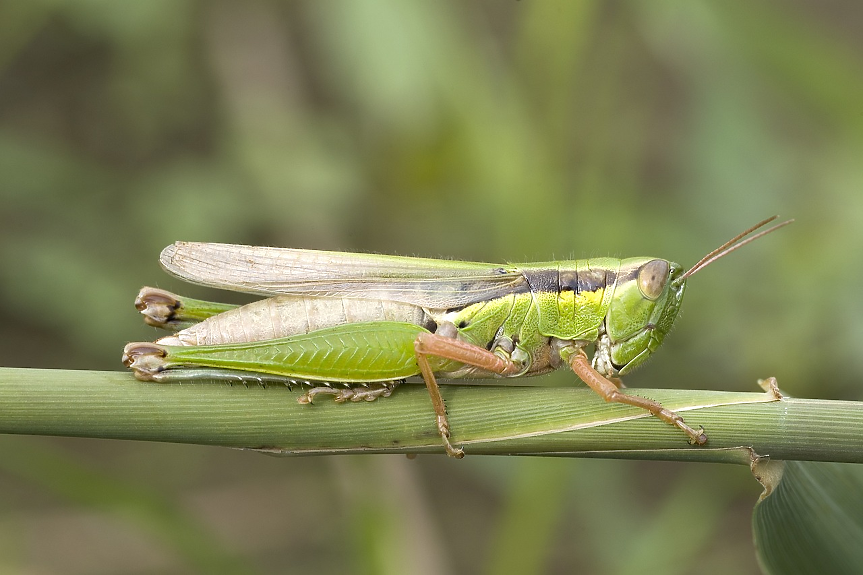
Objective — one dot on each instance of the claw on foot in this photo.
(443, 429)
(697, 437)
(341, 395)
(308, 397)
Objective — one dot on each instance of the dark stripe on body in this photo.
(628, 274)
(551, 280)
(585, 280)
(543, 280)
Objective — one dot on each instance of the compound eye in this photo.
(652, 277)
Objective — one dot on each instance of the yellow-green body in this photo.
(543, 313)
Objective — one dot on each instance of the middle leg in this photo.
(430, 344)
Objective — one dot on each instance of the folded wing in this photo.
(431, 283)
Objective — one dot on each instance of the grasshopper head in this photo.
(645, 303)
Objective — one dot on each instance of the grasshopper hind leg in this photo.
(147, 362)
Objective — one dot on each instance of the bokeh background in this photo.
(498, 131)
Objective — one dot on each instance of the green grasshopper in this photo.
(370, 321)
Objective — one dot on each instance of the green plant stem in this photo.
(485, 419)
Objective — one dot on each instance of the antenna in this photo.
(732, 245)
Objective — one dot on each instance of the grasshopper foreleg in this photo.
(429, 344)
(608, 390)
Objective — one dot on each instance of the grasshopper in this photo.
(368, 322)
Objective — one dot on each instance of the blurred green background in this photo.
(498, 131)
